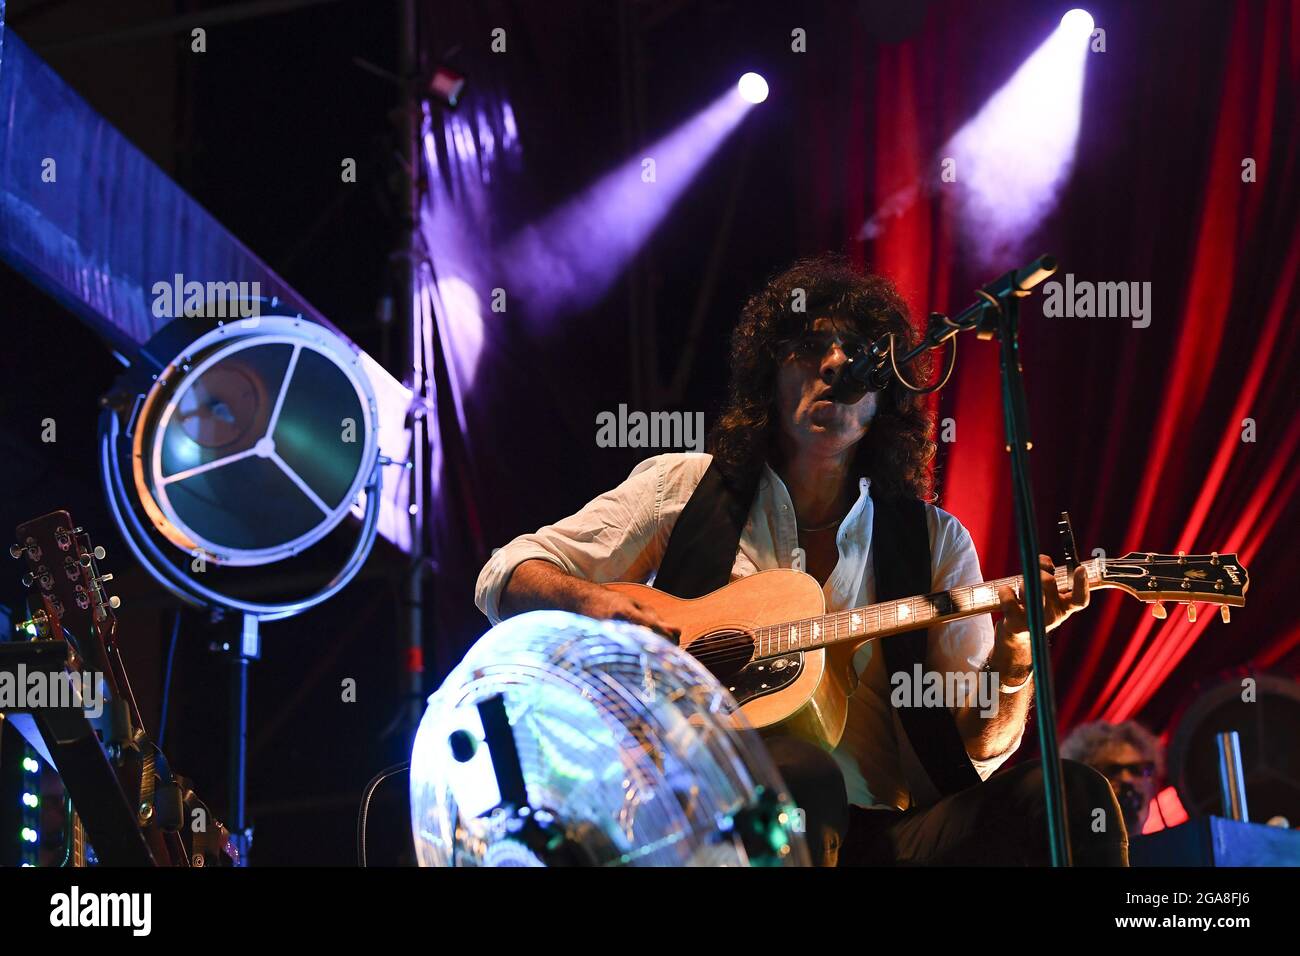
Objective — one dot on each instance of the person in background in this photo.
(1129, 756)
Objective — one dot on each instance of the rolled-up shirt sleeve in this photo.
(619, 536)
(961, 646)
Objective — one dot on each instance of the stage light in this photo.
(1077, 22)
(238, 450)
(446, 85)
(1013, 157)
(242, 444)
(752, 87)
(569, 260)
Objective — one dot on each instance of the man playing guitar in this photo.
(819, 474)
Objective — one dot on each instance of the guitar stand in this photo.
(111, 823)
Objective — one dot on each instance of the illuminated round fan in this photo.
(560, 740)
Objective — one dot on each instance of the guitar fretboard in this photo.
(904, 614)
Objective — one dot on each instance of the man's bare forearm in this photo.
(538, 585)
(988, 736)
(1012, 662)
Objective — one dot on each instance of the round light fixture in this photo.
(237, 444)
(255, 440)
(1077, 21)
(752, 87)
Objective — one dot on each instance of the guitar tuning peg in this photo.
(115, 602)
(16, 551)
(1191, 612)
(1158, 611)
(99, 552)
(1224, 613)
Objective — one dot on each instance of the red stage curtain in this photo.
(1138, 432)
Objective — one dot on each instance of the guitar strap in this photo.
(703, 545)
(702, 549)
(900, 543)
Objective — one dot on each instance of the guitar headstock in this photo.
(1187, 578)
(63, 573)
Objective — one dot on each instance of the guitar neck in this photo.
(74, 836)
(78, 842)
(895, 617)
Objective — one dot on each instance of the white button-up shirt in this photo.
(623, 534)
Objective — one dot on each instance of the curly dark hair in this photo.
(897, 450)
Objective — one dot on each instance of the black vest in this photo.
(702, 550)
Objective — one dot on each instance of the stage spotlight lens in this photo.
(255, 441)
(1078, 21)
(752, 87)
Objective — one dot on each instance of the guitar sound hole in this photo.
(723, 653)
(729, 656)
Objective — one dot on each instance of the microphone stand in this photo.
(996, 314)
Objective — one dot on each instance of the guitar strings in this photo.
(740, 647)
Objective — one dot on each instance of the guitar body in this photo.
(804, 693)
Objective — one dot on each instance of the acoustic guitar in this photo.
(768, 639)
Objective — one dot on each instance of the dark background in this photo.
(253, 128)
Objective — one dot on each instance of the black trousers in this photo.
(1000, 822)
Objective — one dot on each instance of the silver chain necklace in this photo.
(825, 527)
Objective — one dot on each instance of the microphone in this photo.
(873, 371)
(863, 374)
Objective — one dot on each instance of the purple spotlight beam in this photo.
(570, 259)
(1012, 158)
(1015, 155)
